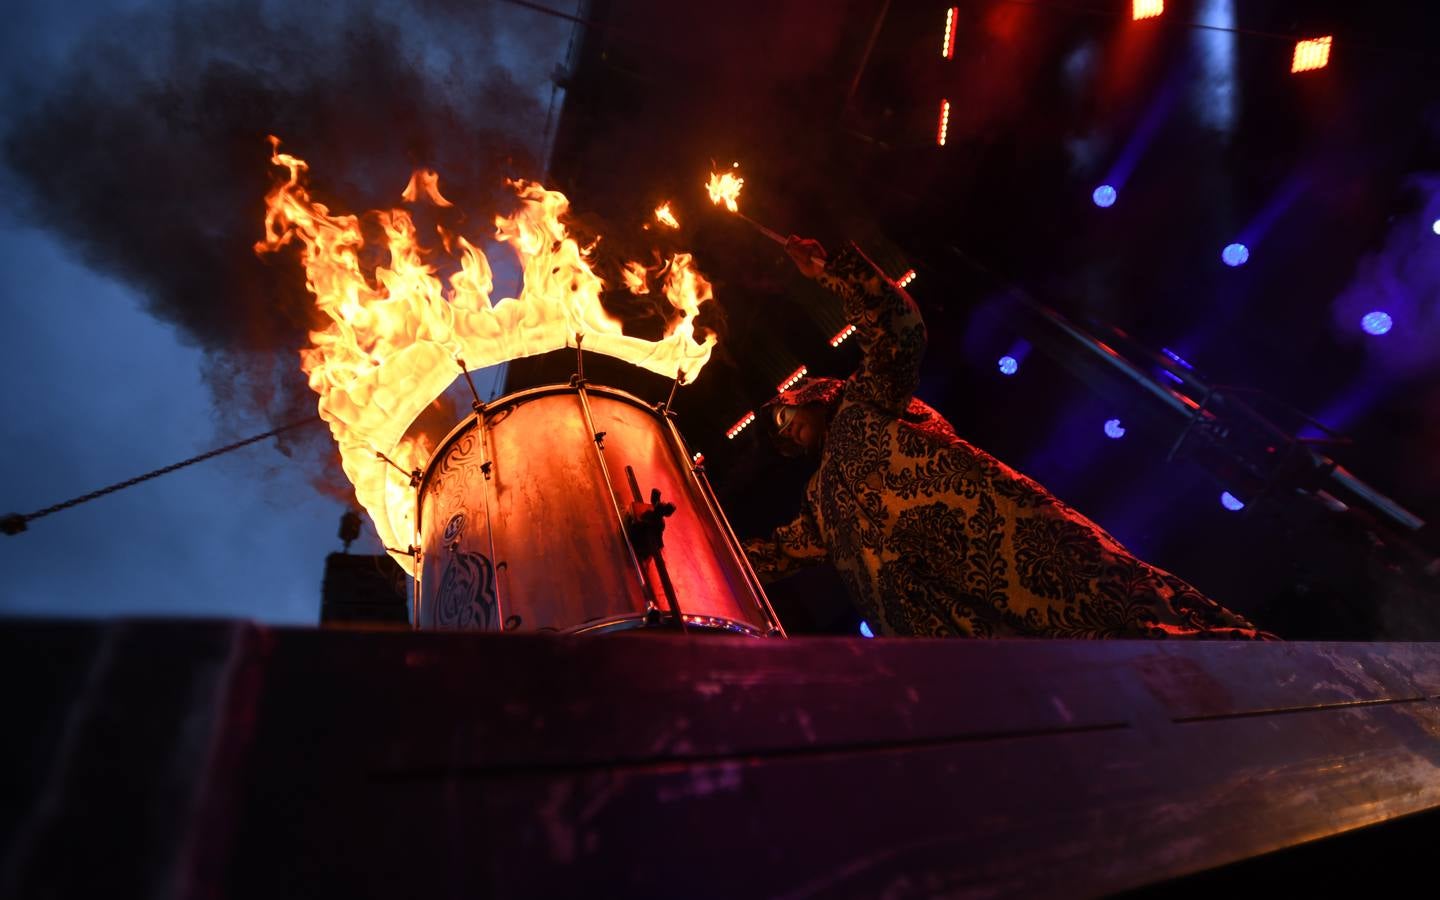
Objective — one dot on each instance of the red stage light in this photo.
(1311, 54)
(904, 280)
(790, 382)
(740, 425)
(1146, 9)
(944, 123)
(698, 459)
(947, 49)
(841, 335)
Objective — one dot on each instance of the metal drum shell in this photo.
(539, 544)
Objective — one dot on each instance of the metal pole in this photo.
(598, 440)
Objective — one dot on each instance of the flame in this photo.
(665, 217)
(427, 182)
(725, 188)
(395, 336)
(634, 275)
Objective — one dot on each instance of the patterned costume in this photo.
(933, 536)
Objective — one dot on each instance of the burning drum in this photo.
(576, 509)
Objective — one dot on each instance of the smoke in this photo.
(144, 151)
(1402, 279)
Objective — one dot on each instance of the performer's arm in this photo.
(791, 547)
(887, 324)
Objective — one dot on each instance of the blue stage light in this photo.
(1435, 226)
(1235, 254)
(1104, 196)
(1376, 322)
(1231, 502)
(865, 629)
(1009, 365)
(1113, 428)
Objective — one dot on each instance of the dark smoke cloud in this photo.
(145, 152)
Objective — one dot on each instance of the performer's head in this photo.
(799, 417)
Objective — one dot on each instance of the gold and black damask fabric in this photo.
(935, 537)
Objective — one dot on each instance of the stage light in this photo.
(697, 460)
(1235, 254)
(1435, 226)
(1146, 9)
(790, 382)
(1176, 357)
(1009, 365)
(740, 425)
(1113, 429)
(904, 280)
(947, 49)
(1231, 502)
(1376, 322)
(865, 629)
(841, 335)
(1311, 54)
(944, 123)
(1104, 196)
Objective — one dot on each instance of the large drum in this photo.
(540, 514)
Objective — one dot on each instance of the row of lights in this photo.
(840, 337)
(740, 426)
(790, 382)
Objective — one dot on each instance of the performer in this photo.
(933, 536)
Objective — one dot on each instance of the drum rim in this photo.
(636, 622)
(465, 424)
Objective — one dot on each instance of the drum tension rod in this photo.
(415, 475)
(666, 408)
(578, 378)
(478, 406)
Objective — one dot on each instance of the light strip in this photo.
(740, 425)
(944, 123)
(841, 335)
(1146, 9)
(1311, 54)
(947, 50)
(795, 376)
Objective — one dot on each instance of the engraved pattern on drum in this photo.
(465, 599)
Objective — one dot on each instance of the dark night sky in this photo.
(105, 370)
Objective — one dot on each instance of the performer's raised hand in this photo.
(808, 254)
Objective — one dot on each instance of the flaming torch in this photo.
(724, 189)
